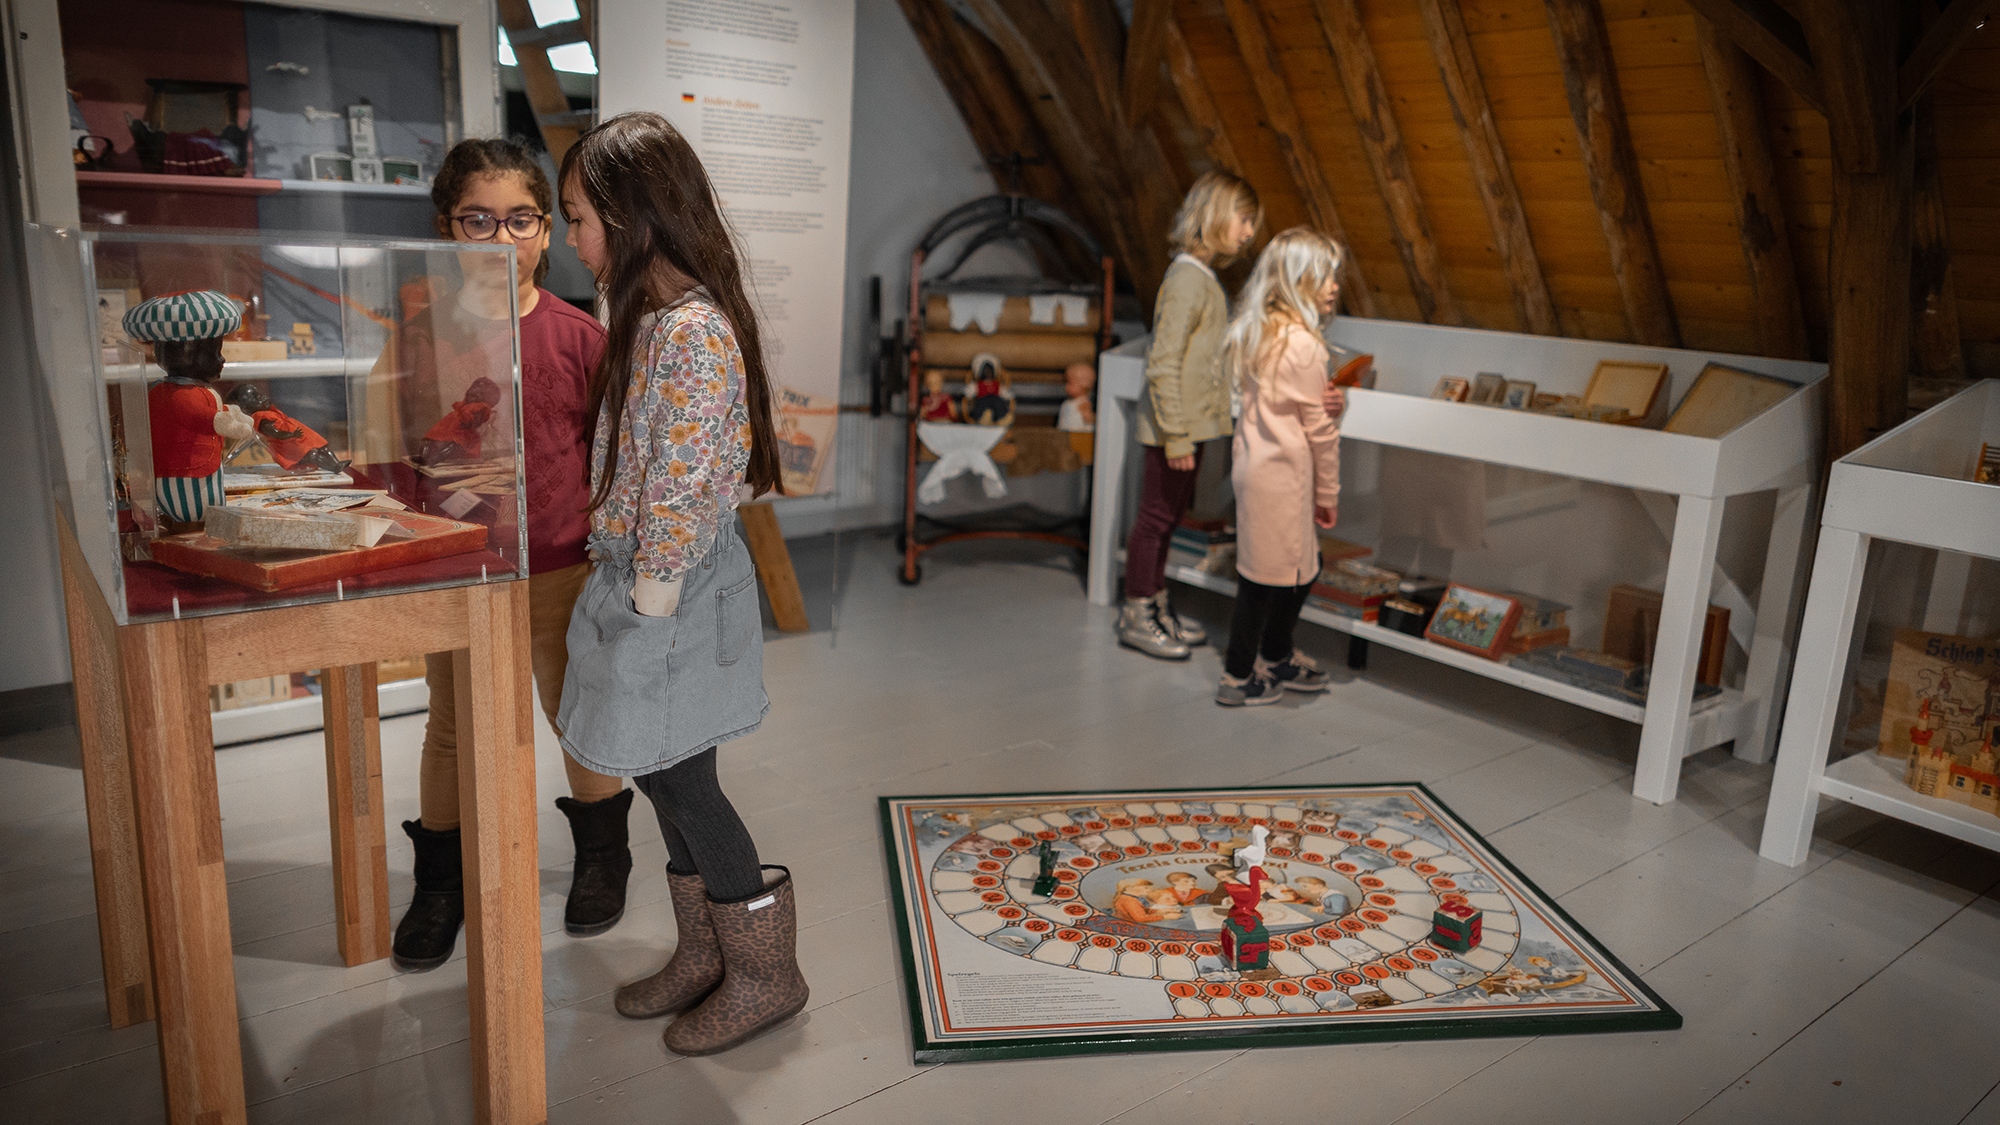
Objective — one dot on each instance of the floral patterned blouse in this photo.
(683, 442)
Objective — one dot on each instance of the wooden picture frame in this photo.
(1474, 620)
(1520, 395)
(1451, 389)
(1628, 385)
(1488, 389)
(1724, 398)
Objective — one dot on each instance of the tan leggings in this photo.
(550, 599)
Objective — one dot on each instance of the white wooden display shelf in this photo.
(1718, 718)
(260, 369)
(1912, 485)
(1777, 450)
(308, 713)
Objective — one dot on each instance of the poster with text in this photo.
(764, 93)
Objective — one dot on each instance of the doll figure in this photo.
(456, 436)
(990, 402)
(189, 422)
(292, 443)
(936, 406)
(1078, 416)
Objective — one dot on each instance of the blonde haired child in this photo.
(1287, 462)
(1186, 401)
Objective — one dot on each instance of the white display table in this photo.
(1777, 450)
(1911, 485)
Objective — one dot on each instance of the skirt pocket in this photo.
(615, 709)
(737, 619)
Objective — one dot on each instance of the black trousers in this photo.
(1263, 624)
(704, 835)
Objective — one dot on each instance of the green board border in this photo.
(1667, 1018)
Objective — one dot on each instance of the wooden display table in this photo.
(150, 793)
(1910, 485)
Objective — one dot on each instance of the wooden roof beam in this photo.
(1939, 42)
(1769, 34)
(1444, 26)
(1192, 90)
(1753, 188)
(1592, 85)
(1381, 138)
(1934, 329)
(1145, 54)
(1267, 76)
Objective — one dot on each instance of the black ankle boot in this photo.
(428, 932)
(603, 862)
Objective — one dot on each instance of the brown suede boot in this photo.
(695, 968)
(761, 982)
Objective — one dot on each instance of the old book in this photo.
(1632, 624)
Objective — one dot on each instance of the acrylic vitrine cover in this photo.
(242, 420)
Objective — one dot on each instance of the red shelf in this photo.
(147, 181)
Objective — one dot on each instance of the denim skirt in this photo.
(641, 693)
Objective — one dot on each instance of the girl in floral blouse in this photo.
(666, 642)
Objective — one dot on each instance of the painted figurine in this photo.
(1246, 944)
(1045, 879)
(292, 443)
(990, 401)
(936, 405)
(190, 424)
(456, 435)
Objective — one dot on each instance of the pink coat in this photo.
(1287, 460)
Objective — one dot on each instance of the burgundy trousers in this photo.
(1164, 495)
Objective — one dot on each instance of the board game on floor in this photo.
(1368, 886)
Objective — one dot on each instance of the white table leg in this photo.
(1683, 614)
(1114, 425)
(1811, 710)
(1770, 654)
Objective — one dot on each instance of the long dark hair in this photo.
(486, 156)
(654, 199)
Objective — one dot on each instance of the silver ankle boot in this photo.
(1139, 628)
(1185, 629)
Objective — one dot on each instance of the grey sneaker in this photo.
(1139, 628)
(1187, 629)
(1253, 690)
(1296, 672)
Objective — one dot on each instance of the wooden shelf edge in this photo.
(151, 181)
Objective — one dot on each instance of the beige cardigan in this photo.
(1287, 459)
(1188, 396)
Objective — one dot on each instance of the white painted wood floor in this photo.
(1861, 986)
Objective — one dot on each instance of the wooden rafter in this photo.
(1266, 75)
(1139, 149)
(1854, 44)
(544, 89)
(1472, 113)
(1382, 140)
(1192, 90)
(1939, 42)
(1753, 188)
(1145, 54)
(1769, 34)
(994, 109)
(1934, 327)
(1592, 86)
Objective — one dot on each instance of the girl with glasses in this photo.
(495, 192)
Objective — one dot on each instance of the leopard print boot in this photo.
(761, 983)
(695, 968)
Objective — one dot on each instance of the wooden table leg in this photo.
(496, 786)
(107, 791)
(354, 811)
(187, 903)
(774, 566)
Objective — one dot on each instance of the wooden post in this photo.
(107, 788)
(187, 899)
(1444, 26)
(774, 566)
(1260, 57)
(1934, 299)
(1145, 50)
(1592, 85)
(1382, 140)
(354, 811)
(496, 785)
(1195, 98)
(1753, 187)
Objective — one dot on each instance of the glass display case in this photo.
(373, 448)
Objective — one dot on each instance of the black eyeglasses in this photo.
(481, 227)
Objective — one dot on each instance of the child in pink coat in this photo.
(1287, 463)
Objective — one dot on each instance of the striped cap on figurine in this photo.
(198, 314)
